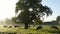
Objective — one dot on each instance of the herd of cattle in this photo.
(38, 27)
(15, 26)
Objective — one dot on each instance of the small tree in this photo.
(58, 19)
(31, 10)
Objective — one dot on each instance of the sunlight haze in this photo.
(7, 8)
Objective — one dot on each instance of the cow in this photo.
(55, 27)
(4, 26)
(16, 26)
(10, 26)
(39, 27)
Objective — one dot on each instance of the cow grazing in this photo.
(10, 26)
(4, 26)
(39, 27)
(16, 26)
(55, 27)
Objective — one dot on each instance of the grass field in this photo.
(32, 30)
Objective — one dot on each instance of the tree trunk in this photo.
(26, 25)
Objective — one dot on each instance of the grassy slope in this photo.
(20, 30)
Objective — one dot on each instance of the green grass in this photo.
(32, 30)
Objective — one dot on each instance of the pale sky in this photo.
(7, 8)
(55, 6)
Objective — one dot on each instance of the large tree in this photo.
(31, 10)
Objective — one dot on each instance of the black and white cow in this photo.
(39, 27)
(55, 27)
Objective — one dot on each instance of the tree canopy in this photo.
(31, 9)
(58, 19)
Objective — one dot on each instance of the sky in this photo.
(7, 8)
(55, 6)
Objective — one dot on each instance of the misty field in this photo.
(32, 30)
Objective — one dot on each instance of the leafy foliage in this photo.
(31, 9)
(58, 19)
